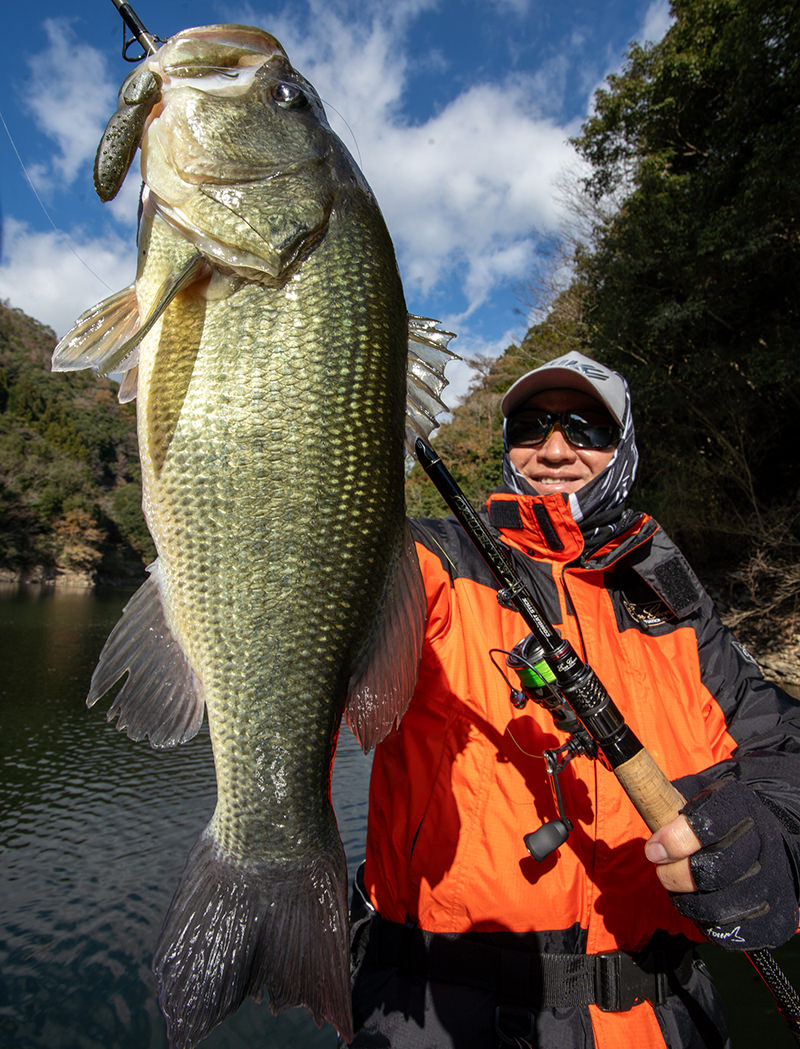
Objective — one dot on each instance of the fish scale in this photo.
(218, 404)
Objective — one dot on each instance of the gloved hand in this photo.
(746, 896)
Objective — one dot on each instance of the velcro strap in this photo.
(548, 531)
(504, 513)
(614, 982)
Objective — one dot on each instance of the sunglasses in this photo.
(532, 428)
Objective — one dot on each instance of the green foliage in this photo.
(127, 512)
(692, 284)
(69, 474)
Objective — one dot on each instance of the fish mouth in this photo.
(222, 53)
(220, 44)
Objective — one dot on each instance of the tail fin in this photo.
(235, 931)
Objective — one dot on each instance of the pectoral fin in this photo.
(98, 332)
(381, 686)
(106, 337)
(127, 388)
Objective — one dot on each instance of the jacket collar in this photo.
(543, 527)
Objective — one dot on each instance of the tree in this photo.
(78, 541)
(70, 487)
(693, 283)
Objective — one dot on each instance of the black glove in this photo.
(746, 896)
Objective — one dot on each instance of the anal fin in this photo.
(162, 699)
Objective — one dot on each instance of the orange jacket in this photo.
(458, 785)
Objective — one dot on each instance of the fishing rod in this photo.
(148, 42)
(552, 674)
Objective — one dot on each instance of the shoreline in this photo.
(48, 580)
(781, 665)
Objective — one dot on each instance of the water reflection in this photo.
(95, 830)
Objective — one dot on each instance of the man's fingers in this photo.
(676, 876)
(670, 849)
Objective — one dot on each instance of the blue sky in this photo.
(460, 115)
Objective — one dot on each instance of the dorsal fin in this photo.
(428, 356)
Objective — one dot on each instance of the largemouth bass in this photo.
(265, 338)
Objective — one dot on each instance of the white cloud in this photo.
(471, 190)
(70, 96)
(657, 20)
(125, 206)
(54, 277)
(460, 374)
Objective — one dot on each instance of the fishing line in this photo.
(41, 203)
(342, 117)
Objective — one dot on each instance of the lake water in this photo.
(94, 831)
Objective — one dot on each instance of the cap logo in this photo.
(590, 370)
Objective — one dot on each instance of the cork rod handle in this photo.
(654, 797)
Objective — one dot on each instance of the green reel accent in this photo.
(537, 676)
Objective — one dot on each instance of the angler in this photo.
(461, 937)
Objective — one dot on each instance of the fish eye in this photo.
(289, 96)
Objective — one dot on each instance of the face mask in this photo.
(598, 506)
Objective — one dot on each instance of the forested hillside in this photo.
(70, 494)
(693, 283)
